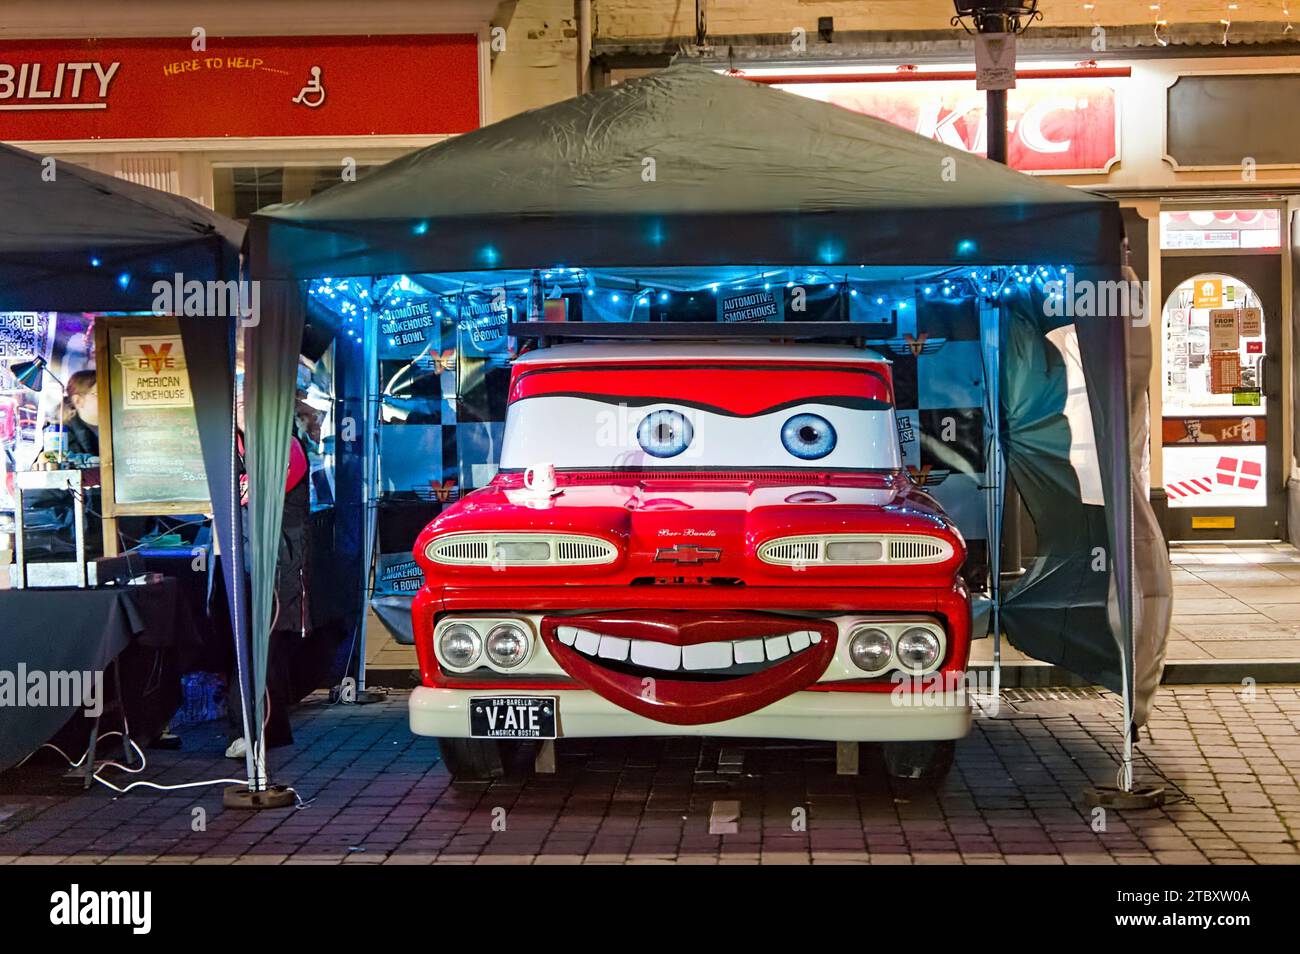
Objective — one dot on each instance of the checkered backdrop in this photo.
(444, 373)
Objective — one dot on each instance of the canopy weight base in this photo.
(240, 796)
(1105, 796)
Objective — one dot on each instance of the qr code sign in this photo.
(20, 334)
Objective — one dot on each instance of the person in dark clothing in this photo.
(291, 621)
(81, 414)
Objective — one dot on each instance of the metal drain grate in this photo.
(1053, 694)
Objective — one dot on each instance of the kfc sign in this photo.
(161, 88)
(1068, 125)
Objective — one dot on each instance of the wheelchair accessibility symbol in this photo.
(314, 88)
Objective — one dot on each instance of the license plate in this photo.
(513, 717)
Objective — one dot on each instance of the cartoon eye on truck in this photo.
(693, 538)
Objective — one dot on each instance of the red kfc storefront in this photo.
(1060, 121)
(239, 122)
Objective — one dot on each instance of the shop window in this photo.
(1214, 410)
(239, 191)
(1221, 229)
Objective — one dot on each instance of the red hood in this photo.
(702, 525)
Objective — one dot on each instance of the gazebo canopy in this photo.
(684, 167)
(76, 240)
(687, 167)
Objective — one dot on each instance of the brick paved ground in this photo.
(377, 795)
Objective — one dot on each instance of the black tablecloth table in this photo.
(51, 631)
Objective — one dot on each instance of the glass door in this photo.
(1221, 402)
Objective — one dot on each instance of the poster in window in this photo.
(157, 458)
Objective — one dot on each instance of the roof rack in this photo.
(545, 332)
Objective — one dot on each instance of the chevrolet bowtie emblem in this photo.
(687, 553)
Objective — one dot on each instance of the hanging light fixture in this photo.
(995, 16)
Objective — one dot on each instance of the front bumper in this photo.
(814, 716)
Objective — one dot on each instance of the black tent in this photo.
(683, 167)
(688, 167)
(76, 240)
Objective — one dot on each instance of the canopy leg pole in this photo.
(990, 333)
(235, 568)
(369, 495)
(259, 794)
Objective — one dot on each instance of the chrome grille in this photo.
(794, 551)
(463, 551)
(569, 550)
(909, 549)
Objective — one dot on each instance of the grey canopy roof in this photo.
(684, 166)
(76, 240)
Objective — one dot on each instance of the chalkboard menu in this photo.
(157, 461)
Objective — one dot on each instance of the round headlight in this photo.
(460, 646)
(507, 645)
(918, 649)
(870, 649)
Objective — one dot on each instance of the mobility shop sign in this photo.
(238, 87)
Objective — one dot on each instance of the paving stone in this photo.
(378, 796)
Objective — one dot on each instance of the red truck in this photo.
(694, 539)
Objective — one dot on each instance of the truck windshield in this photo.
(701, 418)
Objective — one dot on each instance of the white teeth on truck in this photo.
(776, 647)
(587, 642)
(614, 647)
(655, 655)
(701, 656)
(707, 656)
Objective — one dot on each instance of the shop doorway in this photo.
(1221, 414)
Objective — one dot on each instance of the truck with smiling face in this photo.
(694, 538)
